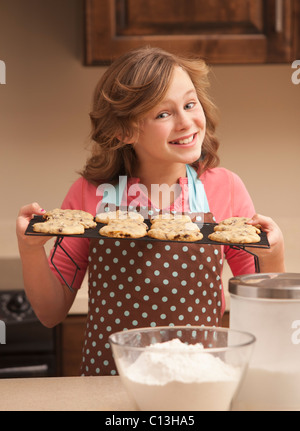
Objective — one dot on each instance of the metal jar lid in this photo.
(266, 286)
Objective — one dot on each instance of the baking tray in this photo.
(206, 229)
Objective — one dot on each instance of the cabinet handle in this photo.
(279, 16)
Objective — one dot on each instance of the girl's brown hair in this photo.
(133, 85)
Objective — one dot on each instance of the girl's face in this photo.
(174, 130)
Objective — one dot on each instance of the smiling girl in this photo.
(152, 124)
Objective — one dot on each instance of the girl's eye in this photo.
(190, 105)
(162, 115)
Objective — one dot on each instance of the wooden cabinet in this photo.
(221, 31)
(71, 343)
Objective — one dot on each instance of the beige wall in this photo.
(44, 124)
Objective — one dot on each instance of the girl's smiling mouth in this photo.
(186, 141)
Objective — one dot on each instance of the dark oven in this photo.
(30, 349)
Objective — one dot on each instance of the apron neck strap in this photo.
(197, 197)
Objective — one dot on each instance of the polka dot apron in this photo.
(139, 283)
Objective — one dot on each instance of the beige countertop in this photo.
(104, 393)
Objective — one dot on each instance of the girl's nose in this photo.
(183, 120)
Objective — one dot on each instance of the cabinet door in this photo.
(220, 31)
(71, 343)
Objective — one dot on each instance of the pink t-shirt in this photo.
(227, 197)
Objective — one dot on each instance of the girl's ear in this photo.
(128, 139)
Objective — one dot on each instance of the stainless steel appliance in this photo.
(31, 348)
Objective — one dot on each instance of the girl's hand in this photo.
(272, 259)
(25, 215)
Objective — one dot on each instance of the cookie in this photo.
(56, 227)
(238, 235)
(118, 215)
(175, 225)
(236, 222)
(80, 216)
(171, 217)
(175, 234)
(124, 229)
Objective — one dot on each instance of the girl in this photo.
(152, 124)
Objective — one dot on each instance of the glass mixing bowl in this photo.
(181, 368)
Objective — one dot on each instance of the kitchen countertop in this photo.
(105, 393)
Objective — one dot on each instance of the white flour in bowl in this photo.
(181, 377)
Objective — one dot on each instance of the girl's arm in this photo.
(50, 299)
(272, 259)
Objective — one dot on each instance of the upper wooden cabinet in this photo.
(220, 31)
